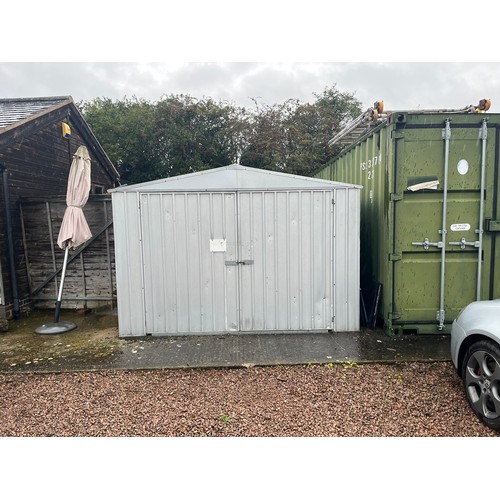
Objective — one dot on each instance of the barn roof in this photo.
(21, 117)
(13, 111)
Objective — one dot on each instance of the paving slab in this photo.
(95, 345)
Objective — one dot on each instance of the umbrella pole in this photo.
(59, 296)
(58, 326)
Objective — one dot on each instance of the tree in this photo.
(269, 136)
(200, 134)
(126, 130)
(177, 135)
(181, 134)
(293, 137)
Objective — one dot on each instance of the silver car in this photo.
(475, 353)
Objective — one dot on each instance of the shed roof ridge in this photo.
(240, 177)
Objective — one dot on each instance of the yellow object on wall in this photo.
(66, 130)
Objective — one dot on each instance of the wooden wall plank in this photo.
(38, 165)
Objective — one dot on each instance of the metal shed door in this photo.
(285, 260)
(187, 239)
(247, 261)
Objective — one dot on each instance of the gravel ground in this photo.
(410, 399)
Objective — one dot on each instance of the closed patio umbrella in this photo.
(74, 228)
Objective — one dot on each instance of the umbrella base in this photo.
(54, 328)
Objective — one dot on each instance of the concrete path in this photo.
(95, 345)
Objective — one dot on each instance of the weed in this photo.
(349, 364)
(225, 418)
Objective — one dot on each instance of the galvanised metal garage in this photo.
(236, 249)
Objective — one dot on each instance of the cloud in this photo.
(400, 85)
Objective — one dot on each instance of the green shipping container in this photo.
(430, 213)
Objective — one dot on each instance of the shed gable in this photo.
(231, 177)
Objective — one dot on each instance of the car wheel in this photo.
(481, 379)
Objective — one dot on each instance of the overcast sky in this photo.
(400, 85)
(264, 32)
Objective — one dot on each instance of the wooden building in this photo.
(36, 150)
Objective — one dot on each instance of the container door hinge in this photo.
(395, 197)
(393, 257)
(394, 315)
(492, 226)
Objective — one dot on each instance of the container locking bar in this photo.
(446, 137)
(440, 317)
(483, 135)
(426, 244)
(463, 243)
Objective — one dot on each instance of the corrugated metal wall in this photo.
(237, 261)
(424, 286)
(188, 288)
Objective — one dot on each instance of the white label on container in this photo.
(218, 245)
(460, 227)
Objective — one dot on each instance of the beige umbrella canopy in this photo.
(74, 228)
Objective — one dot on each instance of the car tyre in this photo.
(481, 379)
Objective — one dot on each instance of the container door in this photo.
(285, 254)
(188, 240)
(492, 220)
(418, 221)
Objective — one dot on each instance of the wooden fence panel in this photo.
(90, 276)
